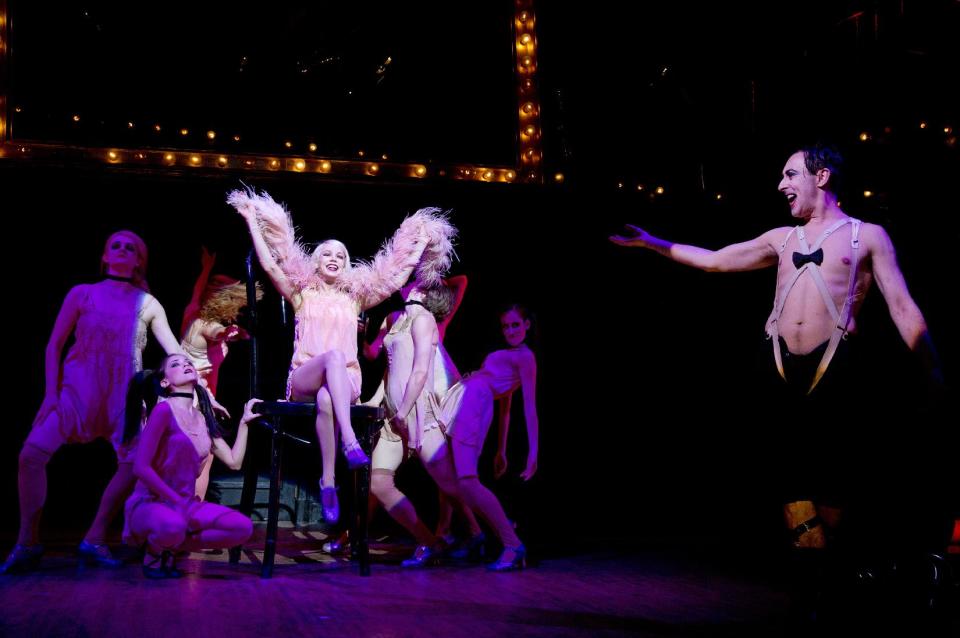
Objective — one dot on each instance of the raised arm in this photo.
(266, 258)
(274, 240)
(372, 283)
(207, 260)
(270, 266)
(749, 255)
(423, 242)
(232, 457)
(528, 384)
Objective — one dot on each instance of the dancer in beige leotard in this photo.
(86, 391)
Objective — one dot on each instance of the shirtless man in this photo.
(825, 267)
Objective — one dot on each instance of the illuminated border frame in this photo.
(527, 168)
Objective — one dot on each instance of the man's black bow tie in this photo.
(815, 257)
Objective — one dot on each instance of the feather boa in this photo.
(424, 241)
(279, 233)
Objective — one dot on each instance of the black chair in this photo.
(366, 422)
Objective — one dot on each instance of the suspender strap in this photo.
(840, 330)
(778, 307)
(841, 316)
(786, 239)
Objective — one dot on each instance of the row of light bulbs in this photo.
(531, 152)
(188, 159)
(369, 167)
(529, 133)
(863, 136)
(660, 190)
(212, 135)
(866, 136)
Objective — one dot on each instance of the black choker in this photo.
(413, 303)
(129, 280)
(185, 395)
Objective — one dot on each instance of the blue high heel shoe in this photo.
(424, 556)
(519, 560)
(22, 558)
(329, 504)
(97, 554)
(356, 457)
(167, 566)
(337, 545)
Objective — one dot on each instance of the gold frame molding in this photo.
(527, 167)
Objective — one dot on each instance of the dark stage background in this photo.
(652, 428)
(649, 423)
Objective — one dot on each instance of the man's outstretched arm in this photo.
(757, 253)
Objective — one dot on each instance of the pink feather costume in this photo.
(327, 316)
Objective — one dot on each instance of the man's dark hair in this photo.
(821, 155)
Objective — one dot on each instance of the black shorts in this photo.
(813, 448)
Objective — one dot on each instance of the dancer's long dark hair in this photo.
(143, 393)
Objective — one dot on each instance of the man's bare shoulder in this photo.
(875, 237)
(872, 230)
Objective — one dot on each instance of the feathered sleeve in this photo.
(276, 228)
(423, 242)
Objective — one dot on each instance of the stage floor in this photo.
(641, 591)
